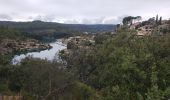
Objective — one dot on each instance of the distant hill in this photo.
(40, 29)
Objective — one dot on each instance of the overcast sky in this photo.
(81, 11)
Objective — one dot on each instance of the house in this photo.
(145, 30)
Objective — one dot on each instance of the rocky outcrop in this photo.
(77, 43)
(80, 42)
(10, 46)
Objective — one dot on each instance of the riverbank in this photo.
(77, 43)
(12, 46)
(49, 54)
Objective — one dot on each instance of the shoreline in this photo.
(12, 46)
(42, 54)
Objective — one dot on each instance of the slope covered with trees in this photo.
(51, 30)
(119, 67)
(125, 66)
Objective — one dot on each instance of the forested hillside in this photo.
(50, 30)
(124, 66)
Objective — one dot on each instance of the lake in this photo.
(45, 54)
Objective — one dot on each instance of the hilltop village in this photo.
(153, 25)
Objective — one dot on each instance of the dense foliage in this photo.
(37, 79)
(9, 33)
(131, 67)
(126, 67)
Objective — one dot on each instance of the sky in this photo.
(82, 11)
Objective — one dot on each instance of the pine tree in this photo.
(160, 20)
(156, 19)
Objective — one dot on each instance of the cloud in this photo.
(48, 18)
(5, 17)
(81, 11)
(72, 21)
(100, 20)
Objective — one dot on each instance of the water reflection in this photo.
(46, 54)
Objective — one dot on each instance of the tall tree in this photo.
(156, 19)
(137, 18)
(160, 20)
(128, 20)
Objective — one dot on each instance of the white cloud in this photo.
(81, 11)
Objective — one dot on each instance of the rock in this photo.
(9, 46)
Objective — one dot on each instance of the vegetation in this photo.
(37, 79)
(125, 67)
(9, 33)
(49, 31)
(129, 20)
(118, 67)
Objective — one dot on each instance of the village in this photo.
(154, 25)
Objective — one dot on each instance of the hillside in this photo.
(56, 30)
(38, 25)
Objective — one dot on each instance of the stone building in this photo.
(145, 30)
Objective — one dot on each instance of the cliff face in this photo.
(11, 46)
